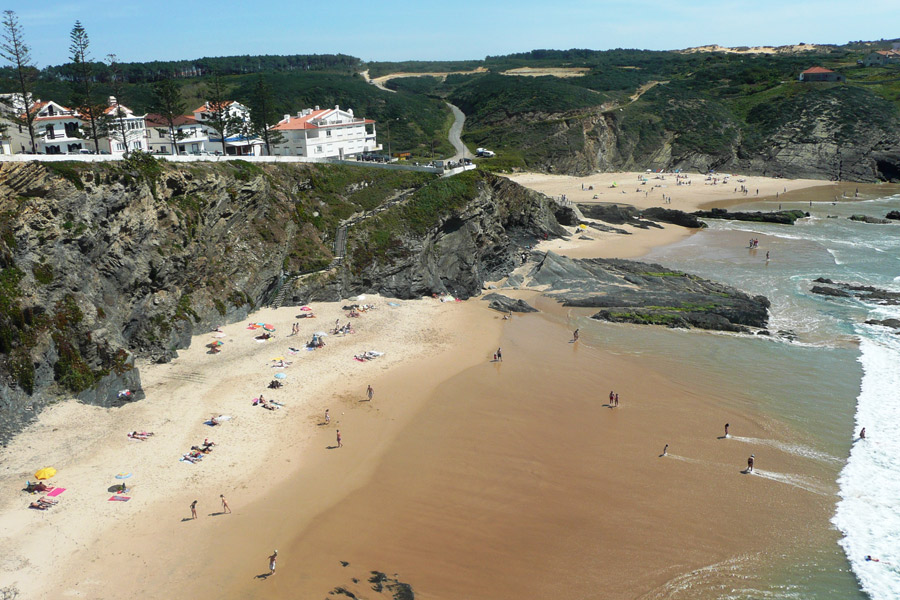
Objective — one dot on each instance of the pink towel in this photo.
(56, 492)
(119, 498)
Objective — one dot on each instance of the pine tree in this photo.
(83, 94)
(262, 112)
(18, 54)
(168, 103)
(220, 118)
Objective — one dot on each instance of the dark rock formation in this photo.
(783, 217)
(636, 292)
(894, 214)
(893, 323)
(616, 214)
(675, 217)
(505, 304)
(479, 240)
(868, 219)
(865, 293)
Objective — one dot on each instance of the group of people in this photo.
(198, 452)
(613, 399)
(267, 404)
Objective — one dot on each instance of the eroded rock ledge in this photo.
(647, 293)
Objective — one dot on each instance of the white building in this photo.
(123, 128)
(57, 129)
(236, 144)
(328, 133)
(192, 137)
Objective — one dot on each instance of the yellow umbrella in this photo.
(46, 473)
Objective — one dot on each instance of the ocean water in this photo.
(836, 376)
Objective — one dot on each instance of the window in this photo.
(327, 133)
(120, 146)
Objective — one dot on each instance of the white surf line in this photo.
(794, 480)
(795, 449)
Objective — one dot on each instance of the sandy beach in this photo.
(464, 477)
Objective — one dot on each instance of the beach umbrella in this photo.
(280, 376)
(321, 334)
(305, 308)
(582, 226)
(45, 473)
(123, 475)
(269, 327)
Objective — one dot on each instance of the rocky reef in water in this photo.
(649, 294)
(865, 293)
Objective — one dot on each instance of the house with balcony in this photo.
(190, 136)
(124, 129)
(58, 129)
(326, 133)
(236, 143)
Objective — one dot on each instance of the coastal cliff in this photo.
(101, 263)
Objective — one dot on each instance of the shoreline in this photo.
(268, 465)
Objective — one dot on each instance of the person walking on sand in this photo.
(750, 462)
(611, 397)
(616, 404)
(369, 393)
(575, 335)
(194, 509)
(499, 355)
(225, 508)
(327, 417)
(272, 559)
(339, 443)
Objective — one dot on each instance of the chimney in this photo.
(336, 107)
(350, 111)
(287, 118)
(317, 107)
(111, 101)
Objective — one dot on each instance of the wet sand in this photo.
(516, 480)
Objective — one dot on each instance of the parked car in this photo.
(484, 153)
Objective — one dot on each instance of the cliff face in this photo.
(102, 263)
(832, 133)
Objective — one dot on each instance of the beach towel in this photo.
(55, 492)
(305, 308)
(119, 498)
(393, 304)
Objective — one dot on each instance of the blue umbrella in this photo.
(123, 475)
(280, 376)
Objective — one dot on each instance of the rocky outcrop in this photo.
(865, 293)
(476, 236)
(892, 323)
(505, 304)
(675, 217)
(644, 293)
(616, 214)
(782, 217)
(868, 219)
(103, 262)
(894, 214)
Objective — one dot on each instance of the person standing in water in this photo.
(862, 433)
(750, 462)
(616, 401)
(575, 336)
(666, 450)
(499, 355)
(727, 425)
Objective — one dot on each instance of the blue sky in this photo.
(464, 29)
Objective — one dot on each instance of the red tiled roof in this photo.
(156, 120)
(817, 70)
(302, 122)
(56, 118)
(305, 121)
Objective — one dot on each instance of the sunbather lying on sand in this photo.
(40, 486)
(43, 503)
(140, 435)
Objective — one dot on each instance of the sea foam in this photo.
(867, 513)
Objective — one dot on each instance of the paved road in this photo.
(456, 132)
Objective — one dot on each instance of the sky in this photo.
(420, 30)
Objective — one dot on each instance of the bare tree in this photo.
(17, 53)
(83, 83)
(168, 103)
